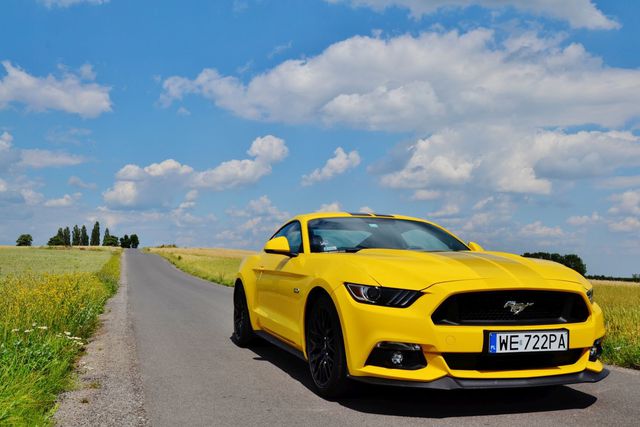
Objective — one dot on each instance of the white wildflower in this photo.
(15, 330)
(44, 328)
(67, 333)
(26, 331)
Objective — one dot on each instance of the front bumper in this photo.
(364, 326)
(451, 383)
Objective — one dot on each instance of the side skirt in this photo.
(282, 345)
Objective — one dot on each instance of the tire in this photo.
(325, 349)
(242, 331)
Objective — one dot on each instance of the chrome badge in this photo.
(517, 307)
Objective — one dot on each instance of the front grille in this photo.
(511, 361)
(489, 308)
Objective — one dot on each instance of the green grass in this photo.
(45, 319)
(20, 260)
(215, 265)
(620, 303)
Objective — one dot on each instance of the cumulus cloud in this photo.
(37, 158)
(330, 207)
(252, 224)
(511, 160)
(448, 210)
(159, 184)
(78, 182)
(624, 225)
(581, 220)
(67, 3)
(579, 13)
(429, 82)
(69, 93)
(538, 229)
(336, 165)
(63, 202)
(626, 203)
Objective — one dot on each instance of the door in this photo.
(281, 288)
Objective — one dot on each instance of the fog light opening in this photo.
(397, 355)
(596, 351)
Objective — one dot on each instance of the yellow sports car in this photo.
(389, 299)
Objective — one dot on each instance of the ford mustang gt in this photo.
(389, 299)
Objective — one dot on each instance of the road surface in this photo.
(193, 375)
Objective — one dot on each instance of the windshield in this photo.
(352, 234)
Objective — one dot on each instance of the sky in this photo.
(513, 123)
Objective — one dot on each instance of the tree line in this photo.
(78, 236)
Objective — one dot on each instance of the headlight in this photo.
(590, 295)
(378, 295)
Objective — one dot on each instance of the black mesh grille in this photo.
(512, 361)
(491, 308)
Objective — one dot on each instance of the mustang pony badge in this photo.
(517, 307)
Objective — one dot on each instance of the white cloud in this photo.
(330, 207)
(580, 220)
(3, 185)
(277, 50)
(579, 13)
(63, 202)
(620, 182)
(159, 184)
(511, 160)
(627, 224)
(265, 151)
(538, 230)
(336, 165)
(445, 80)
(626, 203)
(78, 182)
(365, 209)
(67, 3)
(422, 195)
(36, 158)
(182, 111)
(448, 210)
(68, 93)
(258, 220)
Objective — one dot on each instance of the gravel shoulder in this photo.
(108, 389)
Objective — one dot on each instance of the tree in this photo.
(95, 234)
(134, 241)
(75, 236)
(111, 240)
(66, 236)
(58, 239)
(84, 237)
(125, 242)
(572, 261)
(24, 240)
(107, 237)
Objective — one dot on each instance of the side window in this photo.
(293, 234)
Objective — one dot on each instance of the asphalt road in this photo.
(193, 375)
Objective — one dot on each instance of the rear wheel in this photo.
(242, 331)
(325, 349)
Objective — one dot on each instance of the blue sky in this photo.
(513, 123)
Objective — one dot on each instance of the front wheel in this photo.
(325, 349)
(242, 332)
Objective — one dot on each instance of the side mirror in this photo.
(278, 245)
(475, 247)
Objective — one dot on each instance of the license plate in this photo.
(528, 341)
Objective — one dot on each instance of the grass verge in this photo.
(45, 320)
(620, 302)
(215, 265)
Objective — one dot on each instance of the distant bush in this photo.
(24, 240)
(171, 245)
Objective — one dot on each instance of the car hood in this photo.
(420, 270)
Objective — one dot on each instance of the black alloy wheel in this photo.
(325, 349)
(242, 332)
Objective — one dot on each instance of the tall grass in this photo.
(620, 302)
(44, 322)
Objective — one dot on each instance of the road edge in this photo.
(109, 386)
